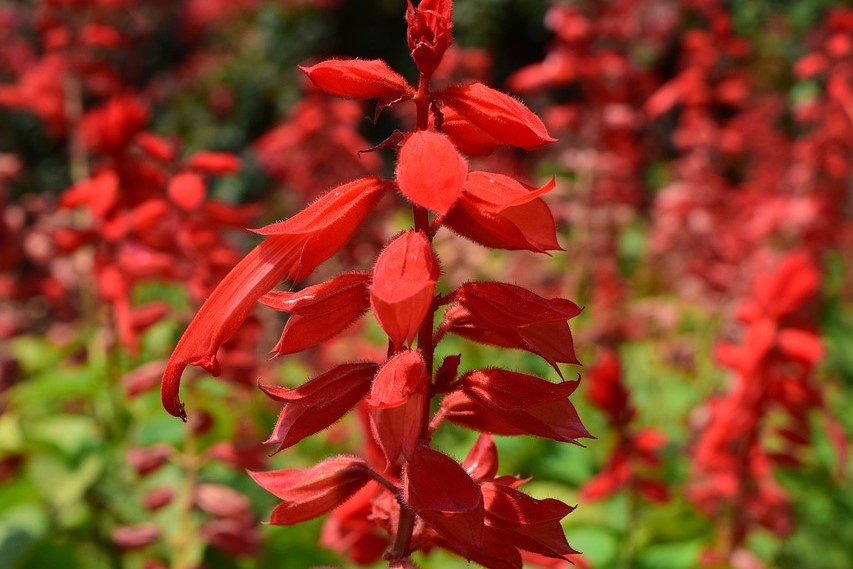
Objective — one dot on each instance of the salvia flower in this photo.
(405, 495)
(292, 250)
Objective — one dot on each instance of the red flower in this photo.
(510, 403)
(525, 522)
(430, 172)
(294, 248)
(439, 490)
(359, 79)
(403, 285)
(318, 403)
(319, 312)
(396, 404)
(497, 114)
(214, 163)
(350, 530)
(309, 493)
(500, 212)
(513, 317)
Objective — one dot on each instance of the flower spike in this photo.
(292, 250)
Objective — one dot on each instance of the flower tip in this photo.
(170, 388)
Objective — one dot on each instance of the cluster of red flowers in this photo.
(419, 496)
(739, 447)
(636, 451)
(747, 177)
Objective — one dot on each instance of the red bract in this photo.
(510, 403)
(186, 190)
(215, 163)
(294, 248)
(511, 316)
(359, 79)
(444, 495)
(319, 312)
(430, 172)
(501, 212)
(497, 114)
(319, 402)
(525, 522)
(429, 32)
(396, 404)
(403, 286)
(309, 493)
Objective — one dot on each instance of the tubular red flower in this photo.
(445, 496)
(525, 522)
(318, 403)
(186, 190)
(309, 493)
(396, 404)
(359, 79)
(404, 280)
(506, 402)
(500, 212)
(292, 250)
(467, 137)
(319, 312)
(214, 163)
(510, 316)
(430, 172)
(497, 114)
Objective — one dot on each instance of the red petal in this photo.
(443, 494)
(313, 492)
(527, 523)
(501, 212)
(98, 193)
(295, 247)
(430, 172)
(467, 137)
(318, 403)
(507, 305)
(529, 403)
(801, 344)
(358, 78)
(498, 115)
(403, 286)
(215, 163)
(320, 311)
(329, 221)
(186, 190)
(482, 460)
(396, 404)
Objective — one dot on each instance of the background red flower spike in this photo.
(497, 114)
(430, 172)
(359, 79)
(403, 285)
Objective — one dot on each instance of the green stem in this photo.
(185, 541)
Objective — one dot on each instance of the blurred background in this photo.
(704, 192)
